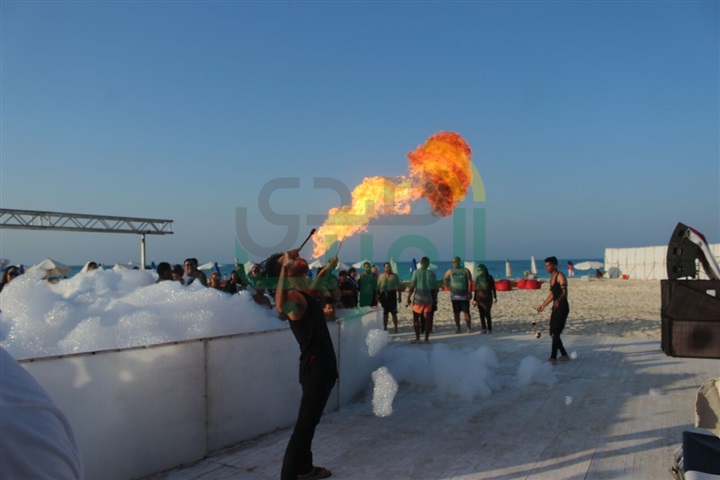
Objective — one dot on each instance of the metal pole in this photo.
(142, 251)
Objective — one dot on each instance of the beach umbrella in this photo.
(52, 268)
(342, 266)
(432, 266)
(119, 266)
(207, 266)
(508, 269)
(470, 265)
(394, 266)
(533, 266)
(315, 264)
(248, 266)
(588, 265)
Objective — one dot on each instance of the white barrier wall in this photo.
(645, 263)
(143, 410)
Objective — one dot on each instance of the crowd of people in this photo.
(369, 288)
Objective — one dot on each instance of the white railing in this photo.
(143, 410)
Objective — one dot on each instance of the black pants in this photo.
(317, 383)
(557, 324)
(484, 310)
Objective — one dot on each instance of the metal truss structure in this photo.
(78, 222)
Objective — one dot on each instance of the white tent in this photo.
(361, 263)
(645, 263)
(52, 268)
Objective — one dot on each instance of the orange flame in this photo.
(440, 171)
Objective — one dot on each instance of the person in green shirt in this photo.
(485, 295)
(367, 285)
(458, 280)
(423, 293)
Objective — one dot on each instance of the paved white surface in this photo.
(617, 412)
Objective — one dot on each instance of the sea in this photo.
(496, 268)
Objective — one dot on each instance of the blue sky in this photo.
(592, 125)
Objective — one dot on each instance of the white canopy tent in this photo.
(645, 263)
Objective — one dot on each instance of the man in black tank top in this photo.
(560, 310)
(296, 301)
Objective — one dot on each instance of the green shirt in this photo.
(459, 283)
(423, 281)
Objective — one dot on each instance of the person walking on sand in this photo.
(485, 293)
(571, 269)
(297, 301)
(390, 295)
(422, 292)
(560, 310)
(458, 280)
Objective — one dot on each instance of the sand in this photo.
(606, 307)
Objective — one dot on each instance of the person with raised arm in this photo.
(296, 301)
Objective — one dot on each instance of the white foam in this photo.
(384, 392)
(108, 309)
(376, 340)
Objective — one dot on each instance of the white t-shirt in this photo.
(36, 440)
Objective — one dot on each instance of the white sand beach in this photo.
(607, 307)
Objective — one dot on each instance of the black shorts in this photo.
(461, 306)
(388, 300)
